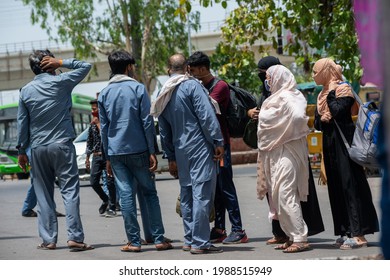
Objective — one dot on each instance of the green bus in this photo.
(81, 117)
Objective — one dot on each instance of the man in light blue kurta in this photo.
(45, 124)
(192, 140)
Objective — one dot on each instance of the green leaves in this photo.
(148, 29)
(318, 28)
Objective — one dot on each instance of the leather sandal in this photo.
(277, 240)
(78, 246)
(186, 248)
(130, 248)
(164, 246)
(297, 247)
(284, 246)
(47, 246)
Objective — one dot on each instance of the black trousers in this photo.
(98, 165)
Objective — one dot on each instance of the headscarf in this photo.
(329, 75)
(158, 106)
(282, 117)
(264, 64)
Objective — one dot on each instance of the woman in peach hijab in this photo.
(350, 197)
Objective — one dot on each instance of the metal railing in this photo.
(23, 47)
(14, 48)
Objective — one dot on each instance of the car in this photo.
(80, 144)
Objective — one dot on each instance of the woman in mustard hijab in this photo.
(350, 198)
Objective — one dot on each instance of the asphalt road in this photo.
(19, 236)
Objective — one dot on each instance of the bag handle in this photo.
(357, 97)
(342, 136)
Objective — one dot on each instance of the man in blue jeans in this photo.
(128, 134)
(45, 125)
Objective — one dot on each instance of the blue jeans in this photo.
(385, 197)
(226, 196)
(31, 198)
(126, 169)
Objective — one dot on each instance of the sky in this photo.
(16, 26)
(17, 31)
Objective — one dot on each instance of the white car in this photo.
(80, 144)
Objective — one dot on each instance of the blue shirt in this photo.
(125, 124)
(189, 131)
(44, 112)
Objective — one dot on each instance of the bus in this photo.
(81, 118)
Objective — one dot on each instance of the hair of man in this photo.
(199, 58)
(119, 61)
(35, 59)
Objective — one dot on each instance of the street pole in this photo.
(189, 33)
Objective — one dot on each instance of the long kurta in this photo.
(283, 166)
(189, 130)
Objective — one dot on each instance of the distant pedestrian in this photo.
(192, 140)
(128, 135)
(45, 124)
(94, 148)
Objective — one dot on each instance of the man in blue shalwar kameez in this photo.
(193, 142)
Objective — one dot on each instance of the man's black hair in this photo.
(93, 101)
(199, 59)
(35, 59)
(119, 60)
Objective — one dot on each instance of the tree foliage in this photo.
(319, 28)
(147, 29)
(236, 65)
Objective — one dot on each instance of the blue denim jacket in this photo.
(125, 123)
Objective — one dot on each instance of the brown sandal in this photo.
(130, 248)
(47, 246)
(297, 247)
(284, 246)
(79, 246)
(164, 246)
(277, 240)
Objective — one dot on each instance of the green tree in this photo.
(318, 28)
(236, 65)
(150, 30)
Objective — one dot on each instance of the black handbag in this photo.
(250, 134)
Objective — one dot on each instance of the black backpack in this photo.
(236, 114)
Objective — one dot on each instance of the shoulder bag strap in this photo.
(342, 136)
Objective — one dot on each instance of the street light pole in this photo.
(189, 34)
